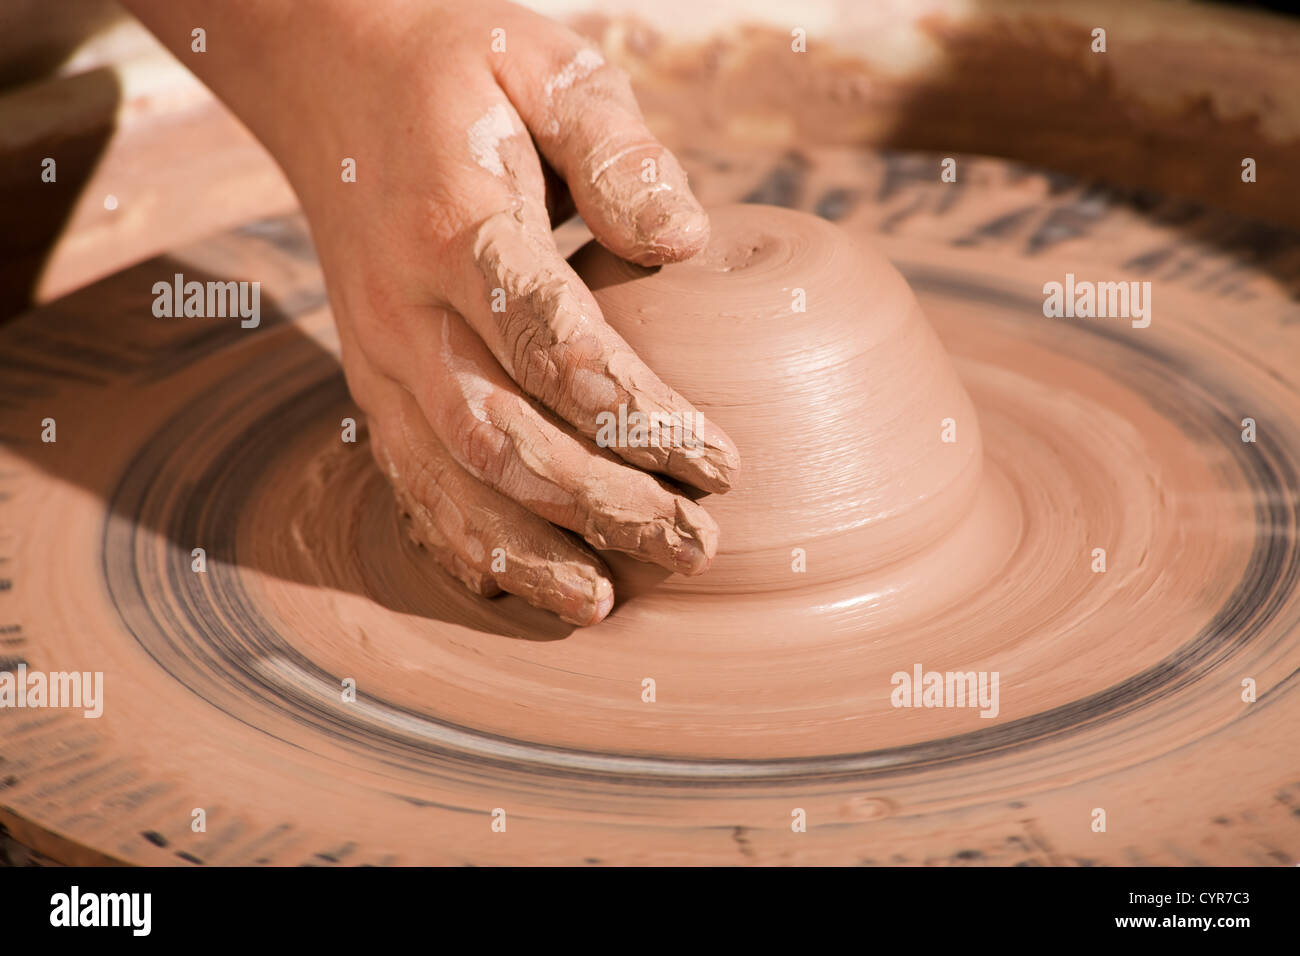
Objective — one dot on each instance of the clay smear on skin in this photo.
(627, 194)
(586, 62)
(517, 256)
(512, 255)
(618, 509)
(485, 136)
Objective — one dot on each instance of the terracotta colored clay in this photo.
(811, 352)
(703, 717)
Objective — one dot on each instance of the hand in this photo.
(480, 358)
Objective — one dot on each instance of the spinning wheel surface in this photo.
(1120, 690)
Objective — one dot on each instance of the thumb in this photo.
(629, 189)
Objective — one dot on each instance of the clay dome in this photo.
(858, 443)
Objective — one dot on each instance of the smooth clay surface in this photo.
(702, 718)
(811, 352)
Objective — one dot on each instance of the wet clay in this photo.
(516, 253)
(860, 445)
(696, 720)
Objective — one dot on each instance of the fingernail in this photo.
(593, 606)
(698, 538)
(604, 600)
(690, 558)
(718, 461)
(671, 225)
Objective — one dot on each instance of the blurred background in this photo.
(148, 160)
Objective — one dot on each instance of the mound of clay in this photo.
(859, 444)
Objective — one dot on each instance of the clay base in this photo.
(1120, 690)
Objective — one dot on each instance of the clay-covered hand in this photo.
(481, 360)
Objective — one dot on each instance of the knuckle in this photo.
(425, 481)
(532, 349)
(442, 219)
(519, 331)
(484, 448)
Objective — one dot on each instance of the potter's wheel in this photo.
(1120, 690)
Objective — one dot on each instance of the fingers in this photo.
(487, 541)
(628, 188)
(502, 272)
(545, 329)
(497, 435)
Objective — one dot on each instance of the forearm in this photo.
(280, 66)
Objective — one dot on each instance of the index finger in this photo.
(543, 326)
